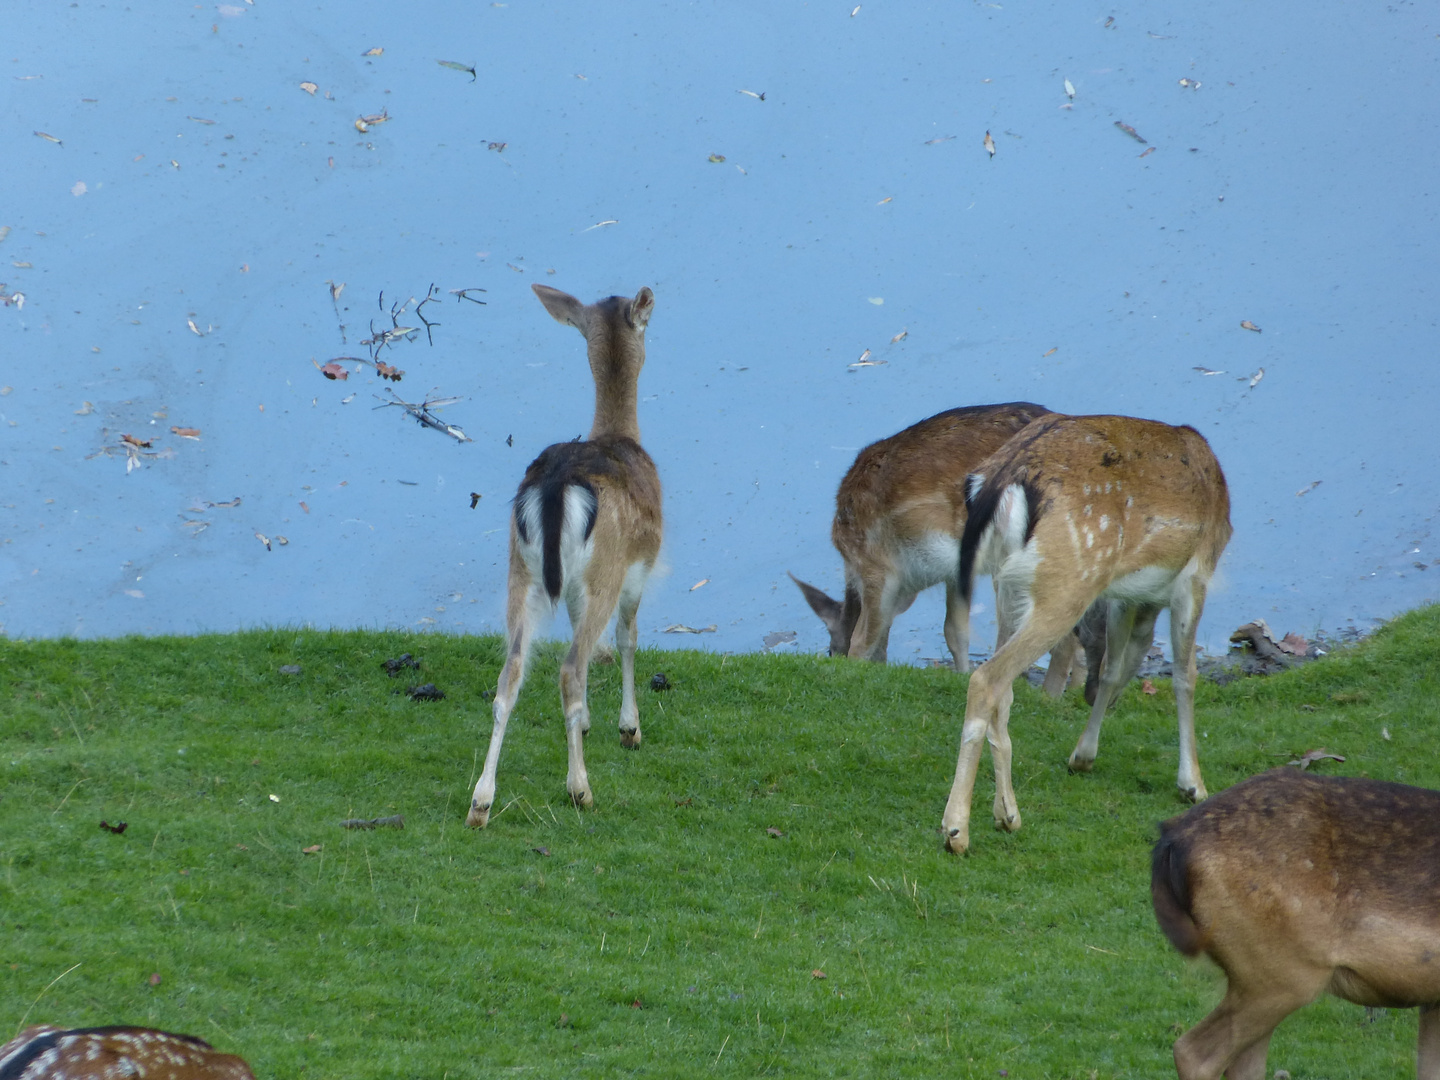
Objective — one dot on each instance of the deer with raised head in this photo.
(899, 514)
(1074, 510)
(585, 529)
(46, 1052)
(1298, 886)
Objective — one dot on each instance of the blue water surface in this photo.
(798, 183)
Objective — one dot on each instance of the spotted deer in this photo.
(899, 514)
(1074, 510)
(46, 1052)
(585, 529)
(1297, 886)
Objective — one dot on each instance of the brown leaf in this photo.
(1148, 687)
(131, 440)
(541, 851)
(1246, 324)
(333, 370)
(311, 850)
(155, 979)
(186, 432)
(1293, 644)
(775, 832)
(387, 372)
(818, 974)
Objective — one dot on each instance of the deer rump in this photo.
(558, 502)
(1296, 886)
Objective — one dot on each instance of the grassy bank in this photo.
(669, 930)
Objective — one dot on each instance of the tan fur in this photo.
(616, 558)
(115, 1053)
(1297, 886)
(1076, 509)
(898, 507)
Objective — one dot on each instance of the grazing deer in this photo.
(46, 1052)
(1073, 510)
(1297, 886)
(586, 529)
(899, 514)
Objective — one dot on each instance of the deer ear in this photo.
(641, 308)
(831, 612)
(563, 307)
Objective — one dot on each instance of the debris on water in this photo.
(1308, 488)
(474, 499)
(778, 637)
(1206, 370)
(989, 145)
(426, 692)
(751, 93)
(49, 138)
(455, 65)
(681, 628)
(702, 581)
(1069, 90)
(378, 50)
(405, 660)
(185, 432)
(332, 370)
(1260, 374)
(1128, 130)
(394, 821)
(309, 88)
(1246, 324)
(717, 158)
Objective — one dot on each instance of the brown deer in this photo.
(1073, 510)
(899, 514)
(1297, 886)
(586, 529)
(46, 1052)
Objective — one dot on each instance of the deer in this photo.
(1296, 886)
(899, 514)
(585, 528)
(47, 1052)
(1072, 511)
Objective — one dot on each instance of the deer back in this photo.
(913, 482)
(45, 1052)
(1112, 495)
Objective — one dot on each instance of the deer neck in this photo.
(615, 412)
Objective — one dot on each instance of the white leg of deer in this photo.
(520, 623)
(625, 638)
(880, 601)
(1427, 1054)
(987, 705)
(1128, 634)
(1185, 608)
(957, 628)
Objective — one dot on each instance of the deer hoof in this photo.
(478, 817)
(1007, 822)
(582, 798)
(1079, 764)
(1194, 794)
(957, 842)
(630, 740)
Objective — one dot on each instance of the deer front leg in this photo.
(957, 627)
(1427, 1054)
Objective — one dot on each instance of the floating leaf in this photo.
(186, 432)
(717, 158)
(751, 93)
(1206, 370)
(1049, 353)
(332, 370)
(989, 144)
(1246, 324)
(681, 628)
(1128, 130)
(49, 138)
(455, 65)
(1308, 488)
(1256, 378)
(901, 336)
(194, 329)
(377, 51)
(702, 581)
(309, 88)
(1069, 90)
(131, 440)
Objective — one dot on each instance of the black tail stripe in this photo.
(552, 521)
(980, 511)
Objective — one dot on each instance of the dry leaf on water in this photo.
(309, 88)
(332, 370)
(186, 432)
(1128, 130)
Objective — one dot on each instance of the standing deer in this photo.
(899, 514)
(586, 529)
(1073, 510)
(1297, 886)
(46, 1052)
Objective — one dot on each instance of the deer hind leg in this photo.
(987, 716)
(524, 602)
(625, 639)
(1129, 629)
(1185, 608)
(1427, 1054)
(957, 627)
(1062, 659)
(1233, 1040)
(598, 597)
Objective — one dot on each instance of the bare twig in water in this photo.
(464, 294)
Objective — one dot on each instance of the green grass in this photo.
(668, 927)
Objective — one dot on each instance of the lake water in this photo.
(798, 183)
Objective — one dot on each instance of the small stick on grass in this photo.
(42, 993)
